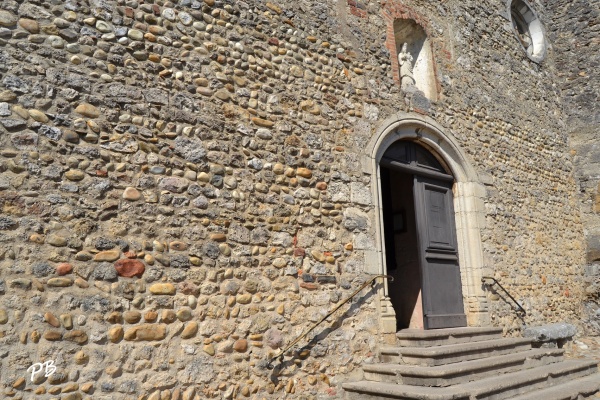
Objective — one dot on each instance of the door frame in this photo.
(469, 210)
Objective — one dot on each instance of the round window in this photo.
(528, 29)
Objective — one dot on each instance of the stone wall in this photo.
(182, 192)
(575, 32)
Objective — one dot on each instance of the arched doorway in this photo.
(469, 195)
(420, 238)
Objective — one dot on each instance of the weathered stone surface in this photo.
(244, 298)
(107, 255)
(50, 132)
(221, 153)
(104, 271)
(64, 268)
(72, 396)
(132, 317)
(115, 334)
(7, 18)
(121, 144)
(263, 122)
(146, 332)
(76, 336)
(223, 95)
(114, 317)
(87, 110)
(356, 220)
(162, 288)
(304, 172)
(30, 25)
(150, 316)
(5, 109)
(7, 223)
(131, 194)
(218, 237)
(135, 34)
(190, 330)
(199, 370)
(130, 268)
(81, 357)
(12, 124)
(168, 316)
(14, 84)
(74, 175)
(52, 336)
(56, 240)
(25, 140)
(60, 282)
(209, 349)
(66, 320)
(51, 319)
(174, 184)
(550, 332)
(188, 288)
(20, 283)
(274, 338)
(178, 246)
(103, 243)
(184, 314)
(240, 345)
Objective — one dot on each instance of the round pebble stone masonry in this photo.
(187, 185)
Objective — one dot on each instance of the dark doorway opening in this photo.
(401, 245)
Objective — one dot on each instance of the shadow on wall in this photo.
(302, 353)
(499, 295)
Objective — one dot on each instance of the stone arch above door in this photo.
(469, 209)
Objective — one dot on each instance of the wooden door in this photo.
(440, 271)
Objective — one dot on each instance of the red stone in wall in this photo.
(130, 268)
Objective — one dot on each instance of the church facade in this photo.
(188, 186)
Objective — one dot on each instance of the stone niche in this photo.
(409, 32)
(528, 28)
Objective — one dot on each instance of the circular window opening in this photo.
(528, 29)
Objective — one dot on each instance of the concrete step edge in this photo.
(458, 348)
(432, 334)
(391, 390)
(493, 385)
(522, 378)
(464, 367)
(566, 391)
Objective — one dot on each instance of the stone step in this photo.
(584, 387)
(438, 337)
(504, 386)
(453, 353)
(366, 390)
(452, 374)
(508, 386)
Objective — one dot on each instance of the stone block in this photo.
(558, 333)
(146, 332)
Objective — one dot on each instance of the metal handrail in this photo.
(519, 308)
(337, 307)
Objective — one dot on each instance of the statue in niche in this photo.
(405, 60)
(522, 28)
(526, 42)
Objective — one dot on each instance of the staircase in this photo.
(470, 364)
